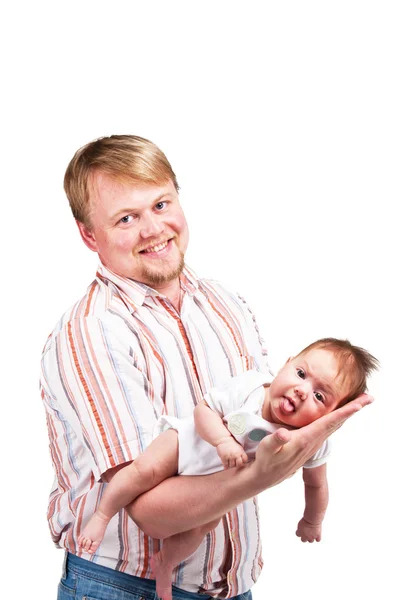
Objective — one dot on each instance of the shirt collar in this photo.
(137, 292)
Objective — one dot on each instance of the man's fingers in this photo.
(278, 439)
(301, 444)
(340, 415)
(328, 424)
(364, 399)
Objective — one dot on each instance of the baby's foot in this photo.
(163, 575)
(93, 533)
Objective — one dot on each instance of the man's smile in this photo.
(156, 248)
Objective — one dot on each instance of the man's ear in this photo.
(87, 236)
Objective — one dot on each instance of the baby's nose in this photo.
(301, 392)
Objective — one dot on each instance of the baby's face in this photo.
(306, 388)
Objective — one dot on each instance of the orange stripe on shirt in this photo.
(229, 326)
(236, 546)
(89, 302)
(183, 334)
(117, 446)
(89, 396)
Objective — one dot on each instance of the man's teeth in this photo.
(156, 248)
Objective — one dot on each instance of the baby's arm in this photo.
(316, 497)
(211, 428)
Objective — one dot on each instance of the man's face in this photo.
(306, 388)
(138, 231)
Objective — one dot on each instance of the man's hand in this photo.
(231, 453)
(309, 532)
(281, 454)
(278, 456)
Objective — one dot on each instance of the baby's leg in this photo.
(158, 462)
(175, 549)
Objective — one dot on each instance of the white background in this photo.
(281, 120)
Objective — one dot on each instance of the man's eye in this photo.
(301, 373)
(160, 205)
(126, 219)
(319, 396)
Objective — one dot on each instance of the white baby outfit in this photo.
(239, 402)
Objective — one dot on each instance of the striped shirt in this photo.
(118, 360)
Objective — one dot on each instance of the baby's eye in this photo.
(301, 373)
(319, 396)
(160, 205)
(126, 219)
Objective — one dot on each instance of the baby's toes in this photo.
(93, 547)
(85, 543)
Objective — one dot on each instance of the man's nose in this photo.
(151, 225)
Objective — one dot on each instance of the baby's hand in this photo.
(309, 532)
(231, 453)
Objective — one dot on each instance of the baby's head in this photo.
(325, 375)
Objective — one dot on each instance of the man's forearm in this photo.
(181, 503)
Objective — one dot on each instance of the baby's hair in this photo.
(355, 364)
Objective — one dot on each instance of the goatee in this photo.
(160, 277)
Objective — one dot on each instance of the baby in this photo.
(225, 432)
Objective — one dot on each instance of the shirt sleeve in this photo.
(255, 343)
(255, 339)
(93, 390)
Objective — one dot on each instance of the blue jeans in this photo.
(84, 580)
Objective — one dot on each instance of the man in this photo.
(149, 338)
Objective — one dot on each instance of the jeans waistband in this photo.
(128, 582)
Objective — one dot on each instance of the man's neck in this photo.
(173, 292)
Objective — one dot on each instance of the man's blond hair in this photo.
(124, 158)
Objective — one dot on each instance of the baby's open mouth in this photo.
(288, 405)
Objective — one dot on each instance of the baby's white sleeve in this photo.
(320, 457)
(233, 394)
